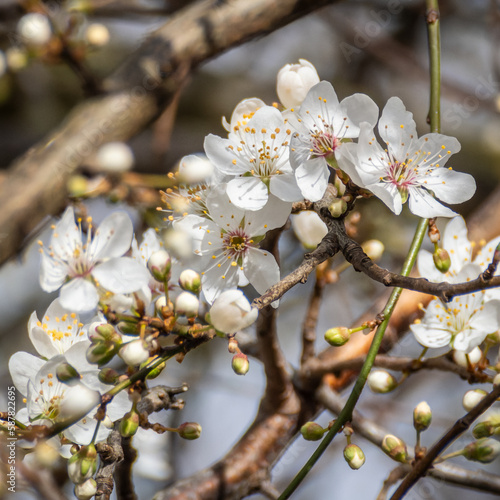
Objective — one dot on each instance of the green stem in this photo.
(435, 64)
(346, 413)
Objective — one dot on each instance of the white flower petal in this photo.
(218, 152)
(66, 236)
(424, 205)
(113, 237)
(312, 178)
(359, 108)
(450, 186)
(285, 187)
(430, 337)
(79, 295)
(261, 269)
(52, 273)
(121, 275)
(273, 215)
(23, 367)
(248, 193)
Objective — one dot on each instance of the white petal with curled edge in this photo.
(66, 235)
(424, 205)
(221, 153)
(450, 186)
(312, 178)
(113, 237)
(248, 193)
(79, 295)
(358, 108)
(285, 187)
(261, 269)
(52, 273)
(389, 194)
(122, 275)
(23, 367)
(431, 337)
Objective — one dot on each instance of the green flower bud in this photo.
(102, 331)
(442, 260)
(66, 373)
(190, 281)
(472, 398)
(395, 448)
(159, 265)
(129, 424)
(422, 416)
(354, 456)
(101, 353)
(483, 450)
(380, 381)
(83, 464)
(337, 207)
(311, 431)
(129, 327)
(337, 336)
(240, 364)
(189, 430)
(108, 376)
(488, 427)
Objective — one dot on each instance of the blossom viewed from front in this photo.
(80, 265)
(257, 156)
(228, 244)
(408, 168)
(321, 126)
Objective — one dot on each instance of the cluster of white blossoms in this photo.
(464, 322)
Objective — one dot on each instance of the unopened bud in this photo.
(108, 376)
(483, 450)
(354, 456)
(129, 327)
(190, 281)
(380, 381)
(422, 416)
(240, 364)
(159, 265)
(294, 81)
(129, 424)
(35, 29)
(102, 353)
(86, 490)
(395, 448)
(460, 357)
(442, 260)
(337, 208)
(102, 331)
(189, 430)
(134, 353)
(231, 312)
(115, 157)
(373, 248)
(488, 427)
(83, 464)
(337, 336)
(97, 34)
(311, 431)
(187, 304)
(496, 379)
(472, 398)
(309, 228)
(66, 373)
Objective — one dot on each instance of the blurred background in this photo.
(378, 48)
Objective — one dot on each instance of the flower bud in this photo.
(97, 34)
(240, 364)
(487, 427)
(86, 490)
(189, 430)
(66, 373)
(337, 336)
(99, 331)
(472, 398)
(422, 416)
(483, 450)
(159, 265)
(294, 82)
(395, 448)
(308, 228)
(442, 260)
(311, 431)
(102, 353)
(108, 376)
(129, 424)
(83, 464)
(187, 304)
(115, 157)
(496, 379)
(380, 381)
(190, 281)
(373, 248)
(354, 456)
(231, 312)
(35, 29)
(134, 353)
(460, 357)
(195, 169)
(337, 207)
(129, 327)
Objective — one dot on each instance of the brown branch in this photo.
(425, 463)
(111, 453)
(123, 471)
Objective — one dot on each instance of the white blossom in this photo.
(294, 82)
(81, 265)
(243, 111)
(257, 156)
(407, 168)
(232, 312)
(115, 157)
(322, 124)
(35, 28)
(309, 228)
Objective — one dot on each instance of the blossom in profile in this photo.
(321, 127)
(407, 168)
(294, 82)
(232, 312)
(256, 155)
(81, 266)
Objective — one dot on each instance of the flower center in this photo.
(402, 176)
(324, 143)
(236, 243)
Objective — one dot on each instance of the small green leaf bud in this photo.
(354, 456)
(240, 364)
(442, 260)
(311, 431)
(129, 424)
(190, 281)
(395, 448)
(83, 464)
(189, 430)
(380, 381)
(472, 398)
(337, 207)
(86, 490)
(66, 373)
(422, 416)
(487, 427)
(108, 376)
(187, 304)
(373, 248)
(337, 336)
(483, 450)
(159, 265)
